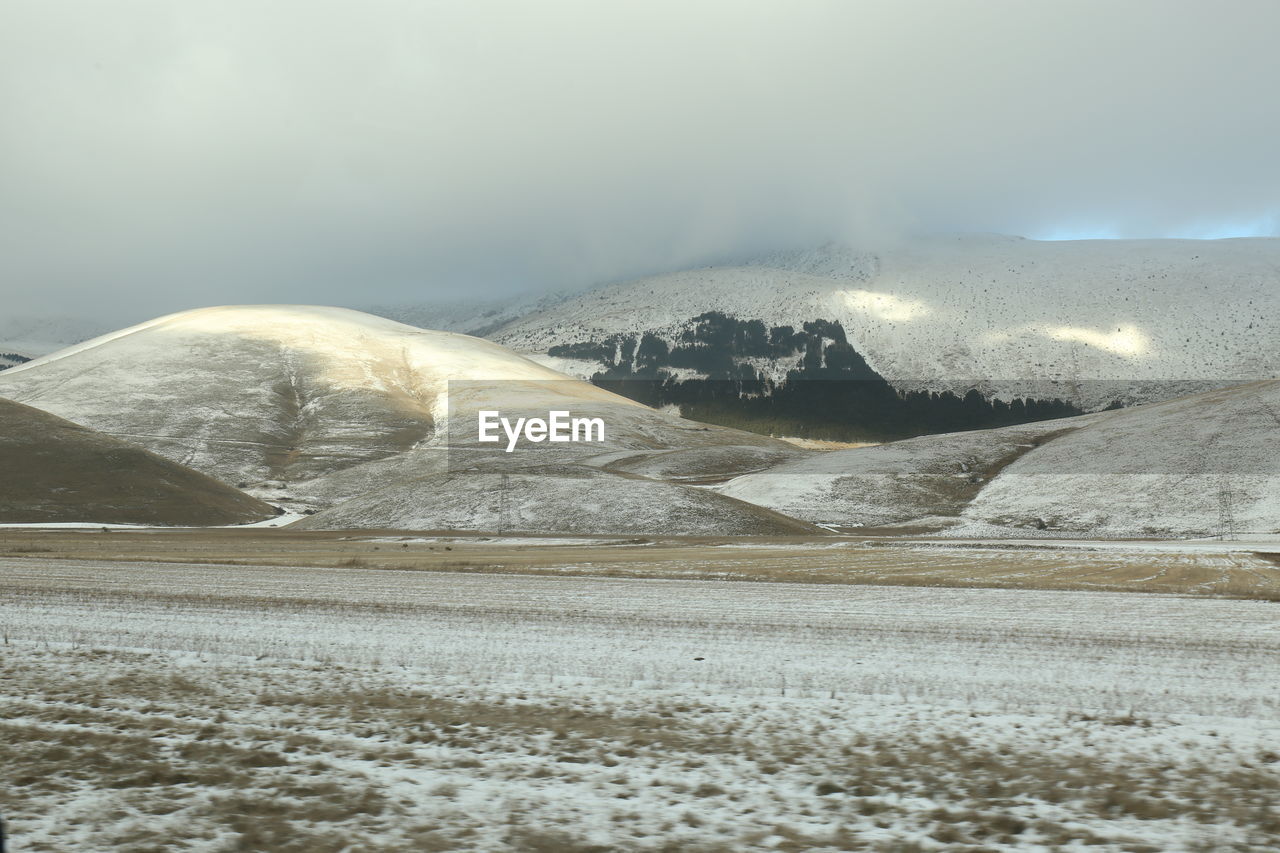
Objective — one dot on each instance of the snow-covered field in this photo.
(181, 706)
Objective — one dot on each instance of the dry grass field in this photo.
(150, 706)
(1230, 569)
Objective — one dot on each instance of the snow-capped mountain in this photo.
(267, 397)
(1194, 466)
(57, 471)
(1004, 314)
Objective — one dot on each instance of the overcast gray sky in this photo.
(162, 155)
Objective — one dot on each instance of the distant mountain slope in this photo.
(12, 359)
(471, 316)
(31, 337)
(271, 396)
(553, 499)
(1196, 466)
(972, 311)
(57, 471)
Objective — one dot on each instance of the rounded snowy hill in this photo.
(973, 310)
(276, 395)
(1200, 465)
(56, 472)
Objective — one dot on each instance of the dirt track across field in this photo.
(1112, 566)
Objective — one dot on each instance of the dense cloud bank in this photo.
(157, 156)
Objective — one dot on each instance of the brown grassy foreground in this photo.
(901, 561)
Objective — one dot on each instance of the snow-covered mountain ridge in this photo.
(982, 311)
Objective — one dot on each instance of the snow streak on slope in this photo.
(961, 310)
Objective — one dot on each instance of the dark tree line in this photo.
(832, 393)
(11, 357)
